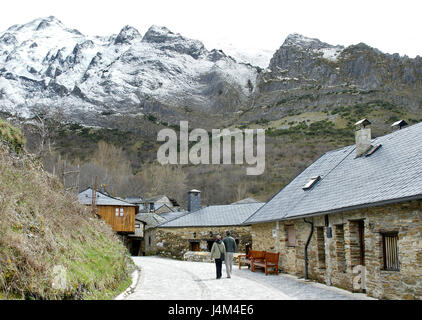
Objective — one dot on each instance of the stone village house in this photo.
(353, 219)
(150, 222)
(194, 231)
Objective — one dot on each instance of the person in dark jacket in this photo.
(231, 248)
(218, 252)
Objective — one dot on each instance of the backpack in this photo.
(222, 257)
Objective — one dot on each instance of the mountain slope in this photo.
(306, 74)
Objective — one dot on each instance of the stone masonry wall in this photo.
(333, 260)
(175, 242)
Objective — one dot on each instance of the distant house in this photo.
(134, 200)
(150, 212)
(150, 221)
(196, 229)
(152, 202)
(119, 214)
(353, 219)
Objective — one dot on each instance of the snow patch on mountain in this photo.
(327, 51)
(254, 56)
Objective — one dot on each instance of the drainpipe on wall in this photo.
(306, 247)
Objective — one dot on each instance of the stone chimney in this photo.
(194, 200)
(363, 137)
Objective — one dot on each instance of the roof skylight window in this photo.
(311, 183)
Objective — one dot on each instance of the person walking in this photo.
(231, 248)
(218, 252)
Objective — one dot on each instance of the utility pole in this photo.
(94, 196)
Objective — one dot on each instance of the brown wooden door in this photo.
(195, 246)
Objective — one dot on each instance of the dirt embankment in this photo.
(50, 246)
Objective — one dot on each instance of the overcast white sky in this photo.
(391, 26)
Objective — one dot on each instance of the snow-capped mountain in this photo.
(45, 63)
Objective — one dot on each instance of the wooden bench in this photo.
(248, 258)
(269, 261)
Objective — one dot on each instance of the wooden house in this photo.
(119, 214)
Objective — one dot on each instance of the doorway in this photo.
(361, 227)
(194, 246)
(135, 247)
(357, 242)
(209, 245)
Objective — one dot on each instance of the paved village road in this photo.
(169, 279)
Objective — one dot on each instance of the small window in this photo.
(137, 226)
(390, 251)
(117, 212)
(311, 183)
(121, 212)
(291, 236)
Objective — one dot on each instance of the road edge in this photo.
(136, 276)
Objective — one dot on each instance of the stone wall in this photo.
(175, 242)
(334, 260)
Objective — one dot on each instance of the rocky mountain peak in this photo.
(298, 47)
(48, 22)
(167, 40)
(127, 35)
(298, 40)
(158, 34)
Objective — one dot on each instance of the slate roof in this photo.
(391, 174)
(151, 219)
(246, 200)
(158, 205)
(173, 215)
(134, 200)
(219, 215)
(85, 197)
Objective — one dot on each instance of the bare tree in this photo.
(46, 124)
(168, 180)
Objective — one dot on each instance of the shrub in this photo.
(12, 135)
